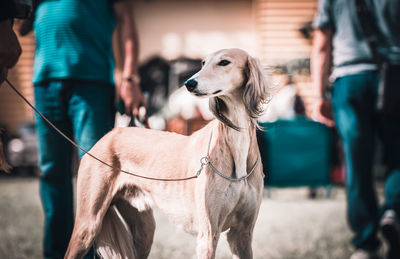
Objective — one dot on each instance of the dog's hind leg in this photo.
(140, 224)
(94, 197)
(115, 239)
(87, 226)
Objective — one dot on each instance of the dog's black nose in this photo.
(191, 84)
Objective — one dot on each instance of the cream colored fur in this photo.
(113, 206)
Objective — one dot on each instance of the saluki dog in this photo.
(114, 209)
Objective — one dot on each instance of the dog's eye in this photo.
(224, 62)
(203, 63)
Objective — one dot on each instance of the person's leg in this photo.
(91, 109)
(390, 131)
(55, 157)
(353, 104)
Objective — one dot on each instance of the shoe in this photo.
(364, 254)
(390, 227)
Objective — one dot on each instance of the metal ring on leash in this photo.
(204, 160)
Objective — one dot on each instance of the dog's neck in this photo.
(238, 141)
(236, 111)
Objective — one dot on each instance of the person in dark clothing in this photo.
(74, 88)
(342, 53)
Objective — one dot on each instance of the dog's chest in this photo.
(244, 207)
(239, 148)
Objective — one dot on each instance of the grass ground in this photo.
(290, 225)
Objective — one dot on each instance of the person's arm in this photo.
(10, 49)
(129, 89)
(321, 60)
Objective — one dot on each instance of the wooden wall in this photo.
(13, 111)
(278, 24)
(280, 41)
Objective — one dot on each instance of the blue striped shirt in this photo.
(74, 40)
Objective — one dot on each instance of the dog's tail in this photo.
(115, 240)
(4, 166)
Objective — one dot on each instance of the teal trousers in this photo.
(84, 111)
(358, 123)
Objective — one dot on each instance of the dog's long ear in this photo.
(257, 87)
(218, 107)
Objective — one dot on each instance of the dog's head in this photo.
(231, 72)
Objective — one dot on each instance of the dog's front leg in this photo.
(207, 241)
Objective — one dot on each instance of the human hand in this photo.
(132, 96)
(322, 112)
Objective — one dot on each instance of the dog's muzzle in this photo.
(191, 84)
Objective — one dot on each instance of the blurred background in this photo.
(176, 29)
(303, 210)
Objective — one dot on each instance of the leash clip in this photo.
(205, 160)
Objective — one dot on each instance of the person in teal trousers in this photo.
(74, 88)
(342, 53)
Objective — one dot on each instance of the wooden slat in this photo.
(287, 5)
(287, 12)
(284, 19)
(279, 27)
(298, 48)
(279, 34)
(278, 41)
